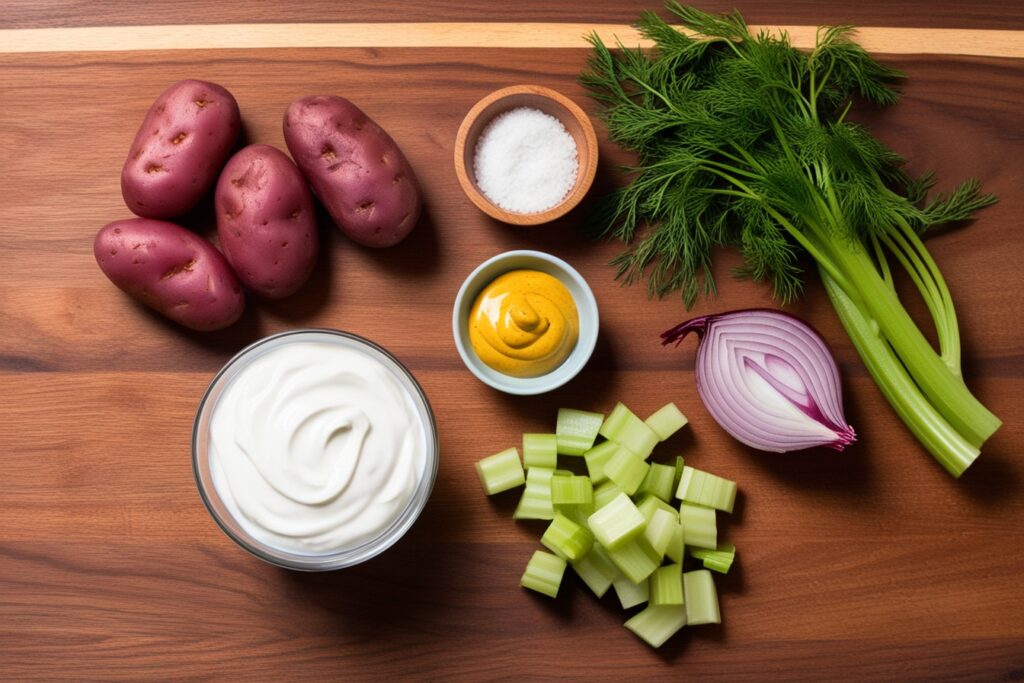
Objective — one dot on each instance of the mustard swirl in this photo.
(524, 324)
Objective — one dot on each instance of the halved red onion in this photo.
(768, 379)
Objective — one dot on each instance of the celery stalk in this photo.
(596, 570)
(535, 502)
(666, 421)
(719, 560)
(566, 538)
(675, 548)
(605, 493)
(571, 491)
(701, 598)
(597, 457)
(501, 471)
(631, 594)
(660, 529)
(648, 504)
(680, 463)
(576, 430)
(543, 573)
(617, 522)
(613, 425)
(703, 488)
(626, 469)
(656, 624)
(635, 559)
(577, 513)
(540, 450)
(659, 481)
(699, 527)
(667, 585)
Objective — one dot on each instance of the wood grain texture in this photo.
(870, 565)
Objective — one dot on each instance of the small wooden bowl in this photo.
(548, 101)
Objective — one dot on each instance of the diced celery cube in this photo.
(577, 513)
(501, 471)
(576, 430)
(719, 560)
(658, 481)
(566, 538)
(656, 624)
(666, 421)
(596, 570)
(617, 522)
(635, 559)
(631, 594)
(597, 457)
(535, 502)
(701, 598)
(605, 493)
(626, 469)
(660, 529)
(540, 450)
(675, 548)
(667, 585)
(699, 527)
(571, 491)
(616, 421)
(702, 488)
(543, 573)
(649, 504)
(638, 437)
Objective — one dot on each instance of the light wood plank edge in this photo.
(940, 41)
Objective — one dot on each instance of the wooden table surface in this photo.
(871, 564)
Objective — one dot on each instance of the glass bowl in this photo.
(287, 558)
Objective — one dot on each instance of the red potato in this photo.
(171, 270)
(355, 168)
(266, 222)
(180, 148)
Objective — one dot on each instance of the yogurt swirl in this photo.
(316, 448)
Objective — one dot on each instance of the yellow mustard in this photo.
(524, 323)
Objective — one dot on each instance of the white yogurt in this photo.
(315, 447)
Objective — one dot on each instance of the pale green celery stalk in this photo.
(606, 493)
(540, 450)
(572, 490)
(658, 481)
(617, 523)
(626, 469)
(660, 529)
(719, 560)
(626, 429)
(704, 488)
(648, 505)
(577, 513)
(576, 430)
(666, 421)
(636, 559)
(543, 573)
(655, 625)
(701, 598)
(597, 457)
(680, 464)
(566, 538)
(699, 527)
(596, 570)
(931, 429)
(535, 502)
(667, 585)
(631, 594)
(615, 422)
(676, 548)
(501, 471)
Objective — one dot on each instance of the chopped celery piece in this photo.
(635, 559)
(605, 493)
(501, 471)
(571, 491)
(699, 526)
(638, 437)
(701, 598)
(703, 488)
(543, 573)
(667, 585)
(566, 538)
(660, 529)
(656, 624)
(680, 464)
(596, 458)
(617, 522)
(658, 481)
(596, 570)
(718, 560)
(535, 502)
(666, 421)
(626, 470)
(540, 450)
(675, 548)
(649, 504)
(613, 425)
(577, 513)
(576, 430)
(631, 594)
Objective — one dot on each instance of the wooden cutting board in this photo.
(871, 564)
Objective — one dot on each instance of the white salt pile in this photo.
(525, 161)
